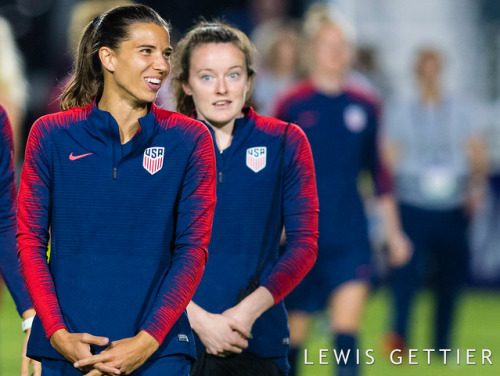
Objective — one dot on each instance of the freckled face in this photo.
(141, 64)
(218, 82)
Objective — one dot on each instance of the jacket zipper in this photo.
(221, 163)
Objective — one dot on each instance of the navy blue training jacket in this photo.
(343, 132)
(250, 214)
(129, 225)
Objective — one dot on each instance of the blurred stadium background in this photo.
(468, 31)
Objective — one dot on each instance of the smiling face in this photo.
(138, 68)
(218, 82)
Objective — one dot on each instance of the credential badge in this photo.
(256, 158)
(153, 159)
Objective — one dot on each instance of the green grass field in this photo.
(478, 327)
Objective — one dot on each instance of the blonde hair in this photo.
(12, 79)
(319, 15)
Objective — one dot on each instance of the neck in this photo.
(223, 134)
(328, 83)
(284, 71)
(126, 115)
(430, 93)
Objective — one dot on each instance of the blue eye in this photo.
(234, 75)
(205, 78)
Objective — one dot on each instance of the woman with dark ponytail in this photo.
(127, 191)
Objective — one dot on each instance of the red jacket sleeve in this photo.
(33, 231)
(300, 211)
(194, 226)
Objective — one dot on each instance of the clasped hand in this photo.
(120, 357)
(223, 334)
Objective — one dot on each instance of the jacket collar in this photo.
(242, 128)
(102, 127)
(105, 127)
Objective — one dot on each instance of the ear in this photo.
(249, 86)
(187, 88)
(107, 55)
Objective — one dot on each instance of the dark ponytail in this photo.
(109, 29)
(87, 81)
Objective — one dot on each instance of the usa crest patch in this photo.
(355, 118)
(153, 159)
(256, 158)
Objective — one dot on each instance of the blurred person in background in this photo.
(341, 125)
(278, 43)
(13, 87)
(367, 74)
(265, 181)
(13, 98)
(438, 158)
(9, 264)
(127, 191)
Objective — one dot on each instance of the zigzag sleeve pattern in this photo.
(194, 225)
(33, 234)
(300, 210)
